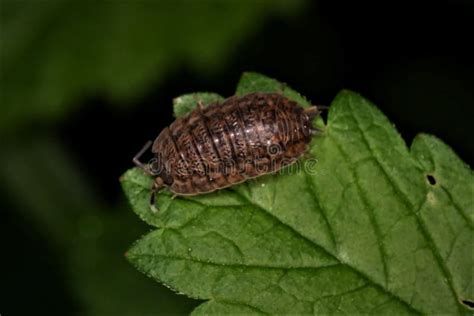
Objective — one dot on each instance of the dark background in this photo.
(65, 222)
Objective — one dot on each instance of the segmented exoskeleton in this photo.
(228, 142)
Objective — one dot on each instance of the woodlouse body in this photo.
(228, 142)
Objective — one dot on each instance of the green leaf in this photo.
(221, 308)
(186, 103)
(362, 231)
(255, 82)
(55, 53)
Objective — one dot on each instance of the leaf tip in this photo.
(126, 175)
(252, 73)
(424, 139)
(131, 253)
(347, 93)
(423, 136)
(246, 75)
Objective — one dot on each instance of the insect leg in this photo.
(153, 208)
(200, 105)
(199, 102)
(311, 112)
(315, 110)
(157, 185)
(315, 131)
(322, 107)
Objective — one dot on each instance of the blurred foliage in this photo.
(54, 52)
(89, 236)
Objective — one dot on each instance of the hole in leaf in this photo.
(469, 304)
(431, 179)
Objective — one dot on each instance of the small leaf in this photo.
(255, 82)
(188, 102)
(362, 231)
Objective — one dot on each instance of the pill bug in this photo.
(228, 142)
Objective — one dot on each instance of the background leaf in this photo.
(87, 235)
(54, 52)
(363, 231)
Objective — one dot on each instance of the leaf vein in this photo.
(258, 310)
(359, 288)
(458, 208)
(371, 214)
(322, 248)
(315, 198)
(404, 199)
